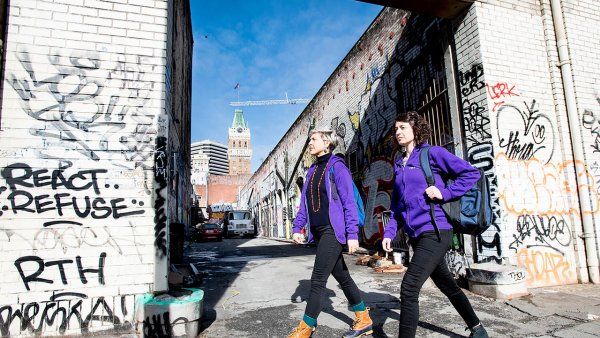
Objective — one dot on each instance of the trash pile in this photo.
(184, 275)
(381, 264)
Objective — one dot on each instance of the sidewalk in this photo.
(559, 311)
(579, 303)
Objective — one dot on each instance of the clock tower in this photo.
(240, 149)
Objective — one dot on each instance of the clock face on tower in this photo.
(239, 130)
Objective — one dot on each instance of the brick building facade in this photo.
(95, 165)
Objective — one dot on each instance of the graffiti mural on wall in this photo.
(591, 122)
(542, 231)
(377, 183)
(74, 96)
(545, 267)
(533, 137)
(67, 310)
(74, 203)
(480, 153)
(534, 188)
(500, 92)
(160, 215)
(56, 194)
(536, 197)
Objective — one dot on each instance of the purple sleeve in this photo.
(392, 226)
(300, 220)
(343, 182)
(463, 174)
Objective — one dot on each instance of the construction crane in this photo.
(268, 102)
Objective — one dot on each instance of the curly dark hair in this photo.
(420, 126)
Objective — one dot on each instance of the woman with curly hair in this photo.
(410, 209)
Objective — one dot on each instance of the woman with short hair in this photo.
(327, 206)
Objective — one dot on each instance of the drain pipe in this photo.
(583, 192)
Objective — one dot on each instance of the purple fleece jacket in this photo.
(409, 202)
(342, 208)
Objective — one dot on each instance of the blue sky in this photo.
(269, 47)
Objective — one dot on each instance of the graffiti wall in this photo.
(359, 102)
(510, 100)
(356, 105)
(539, 219)
(83, 172)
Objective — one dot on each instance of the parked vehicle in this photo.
(208, 231)
(238, 223)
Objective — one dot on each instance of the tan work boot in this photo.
(362, 325)
(302, 331)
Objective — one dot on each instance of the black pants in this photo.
(329, 261)
(429, 261)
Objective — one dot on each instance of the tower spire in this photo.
(238, 120)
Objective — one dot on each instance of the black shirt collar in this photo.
(323, 159)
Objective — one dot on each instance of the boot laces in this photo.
(298, 329)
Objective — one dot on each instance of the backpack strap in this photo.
(426, 168)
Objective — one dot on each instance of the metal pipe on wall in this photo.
(576, 142)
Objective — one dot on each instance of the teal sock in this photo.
(310, 321)
(359, 307)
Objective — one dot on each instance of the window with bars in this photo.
(423, 87)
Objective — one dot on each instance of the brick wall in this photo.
(222, 188)
(86, 146)
(520, 97)
(509, 99)
(581, 20)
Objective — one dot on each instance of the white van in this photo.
(238, 223)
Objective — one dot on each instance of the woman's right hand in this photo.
(298, 238)
(387, 244)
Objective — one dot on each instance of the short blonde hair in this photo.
(328, 136)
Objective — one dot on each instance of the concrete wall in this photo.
(89, 129)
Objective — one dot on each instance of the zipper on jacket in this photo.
(404, 194)
(307, 214)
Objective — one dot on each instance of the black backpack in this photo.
(471, 214)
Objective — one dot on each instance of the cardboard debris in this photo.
(363, 260)
(361, 251)
(175, 278)
(394, 268)
(382, 263)
(186, 275)
(374, 261)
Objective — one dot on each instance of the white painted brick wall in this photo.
(582, 20)
(537, 190)
(67, 63)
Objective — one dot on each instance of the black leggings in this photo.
(429, 261)
(329, 261)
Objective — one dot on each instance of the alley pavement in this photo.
(258, 288)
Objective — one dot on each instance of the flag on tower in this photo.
(237, 86)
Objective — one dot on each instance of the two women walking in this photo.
(333, 222)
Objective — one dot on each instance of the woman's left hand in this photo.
(352, 245)
(434, 193)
